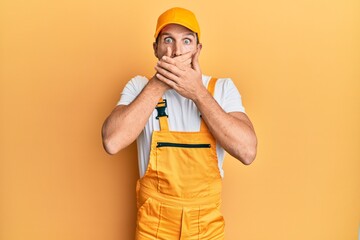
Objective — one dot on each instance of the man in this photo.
(183, 121)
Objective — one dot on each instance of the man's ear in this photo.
(199, 46)
(155, 47)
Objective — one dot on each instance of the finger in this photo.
(195, 60)
(187, 63)
(173, 68)
(175, 60)
(168, 51)
(168, 60)
(183, 57)
(169, 75)
(183, 66)
(165, 80)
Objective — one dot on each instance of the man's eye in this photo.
(168, 40)
(187, 41)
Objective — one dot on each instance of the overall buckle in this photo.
(160, 107)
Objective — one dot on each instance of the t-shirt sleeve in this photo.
(132, 89)
(228, 96)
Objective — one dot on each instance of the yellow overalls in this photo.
(179, 196)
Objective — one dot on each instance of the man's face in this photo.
(180, 39)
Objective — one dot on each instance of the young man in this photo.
(183, 121)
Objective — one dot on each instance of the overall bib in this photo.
(179, 196)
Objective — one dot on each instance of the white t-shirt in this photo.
(183, 114)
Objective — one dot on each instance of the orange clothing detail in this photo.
(179, 196)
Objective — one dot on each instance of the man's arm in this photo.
(233, 131)
(126, 122)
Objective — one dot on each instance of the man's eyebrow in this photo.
(191, 34)
(165, 33)
(169, 34)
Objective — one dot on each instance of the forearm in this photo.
(126, 122)
(233, 131)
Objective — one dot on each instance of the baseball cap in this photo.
(179, 16)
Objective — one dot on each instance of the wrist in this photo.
(200, 95)
(159, 85)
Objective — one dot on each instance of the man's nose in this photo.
(177, 51)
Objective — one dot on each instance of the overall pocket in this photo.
(148, 218)
(185, 169)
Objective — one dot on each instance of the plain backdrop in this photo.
(63, 65)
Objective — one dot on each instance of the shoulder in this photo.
(226, 94)
(135, 85)
(138, 81)
(221, 83)
(132, 88)
(225, 83)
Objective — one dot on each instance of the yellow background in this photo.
(64, 64)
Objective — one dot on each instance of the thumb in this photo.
(195, 60)
(168, 52)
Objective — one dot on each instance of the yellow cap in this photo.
(179, 16)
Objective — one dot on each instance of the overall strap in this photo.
(162, 105)
(211, 89)
(162, 117)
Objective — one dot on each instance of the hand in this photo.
(182, 75)
(155, 79)
(182, 60)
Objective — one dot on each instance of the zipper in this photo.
(182, 145)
